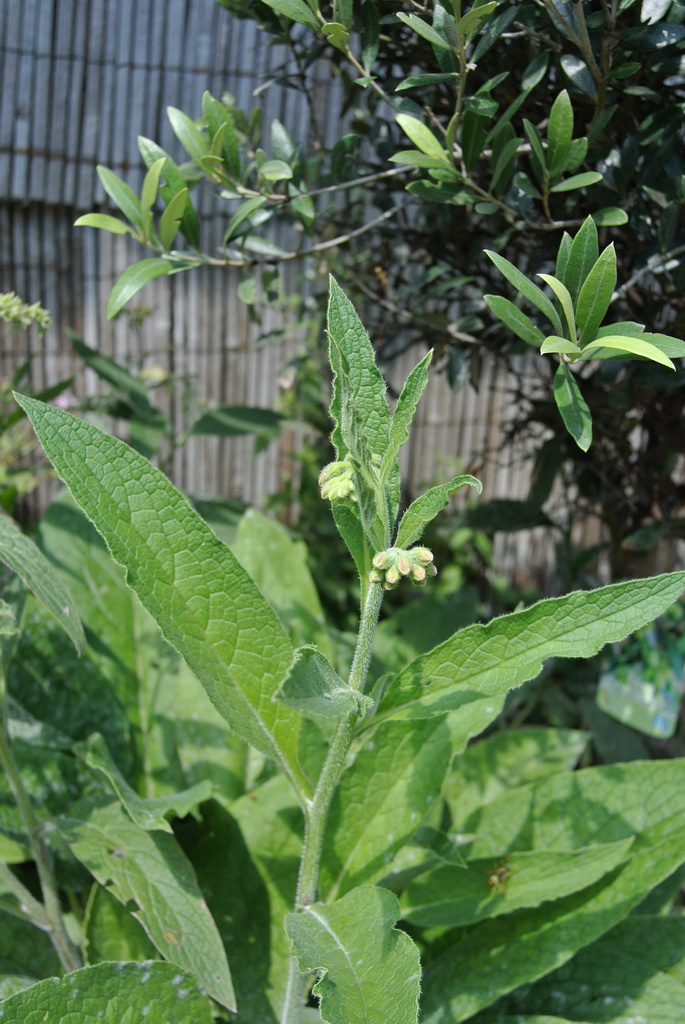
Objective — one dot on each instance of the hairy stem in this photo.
(317, 813)
(52, 918)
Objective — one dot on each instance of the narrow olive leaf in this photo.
(244, 211)
(487, 661)
(111, 993)
(452, 897)
(414, 158)
(206, 605)
(504, 163)
(562, 294)
(174, 182)
(236, 421)
(582, 256)
(153, 871)
(369, 971)
(367, 387)
(23, 557)
(404, 410)
(515, 319)
(295, 10)
(132, 280)
(673, 347)
(573, 407)
(537, 155)
(148, 194)
(148, 813)
(559, 132)
(633, 346)
(135, 391)
(594, 298)
(422, 137)
(577, 181)
(170, 221)
(380, 802)
(424, 30)
(122, 194)
(424, 509)
(562, 261)
(555, 344)
(104, 222)
(469, 24)
(188, 134)
(314, 687)
(527, 288)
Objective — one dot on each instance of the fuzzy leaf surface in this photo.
(315, 688)
(370, 971)
(207, 606)
(112, 993)
(425, 508)
(489, 660)
(22, 556)
(451, 896)
(147, 813)
(644, 800)
(381, 800)
(152, 870)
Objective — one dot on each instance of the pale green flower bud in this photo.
(392, 576)
(382, 560)
(418, 574)
(337, 481)
(404, 564)
(422, 555)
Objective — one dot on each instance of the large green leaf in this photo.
(111, 932)
(636, 970)
(271, 824)
(380, 802)
(484, 661)
(207, 606)
(369, 971)
(454, 897)
(178, 736)
(644, 800)
(315, 688)
(277, 563)
(122, 194)
(112, 993)
(31, 565)
(405, 409)
(507, 759)
(630, 346)
(152, 870)
(573, 407)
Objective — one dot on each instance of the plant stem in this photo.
(315, 822)
(52, 916)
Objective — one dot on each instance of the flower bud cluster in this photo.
(390, 566)
(336, 481)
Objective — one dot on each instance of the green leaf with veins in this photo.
(582, 256)
(207, 606)
(527, 288)
(22, 556)
(147, 813)
(489, 660)
(631, 346)
(152, 870)
(595, 294)
(425, 508)
(113, 993)
(369, 971)
(313, 687)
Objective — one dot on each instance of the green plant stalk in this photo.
(66, 950)
(28, 908)
(317, 812)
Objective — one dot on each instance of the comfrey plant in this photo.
(343, 853)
